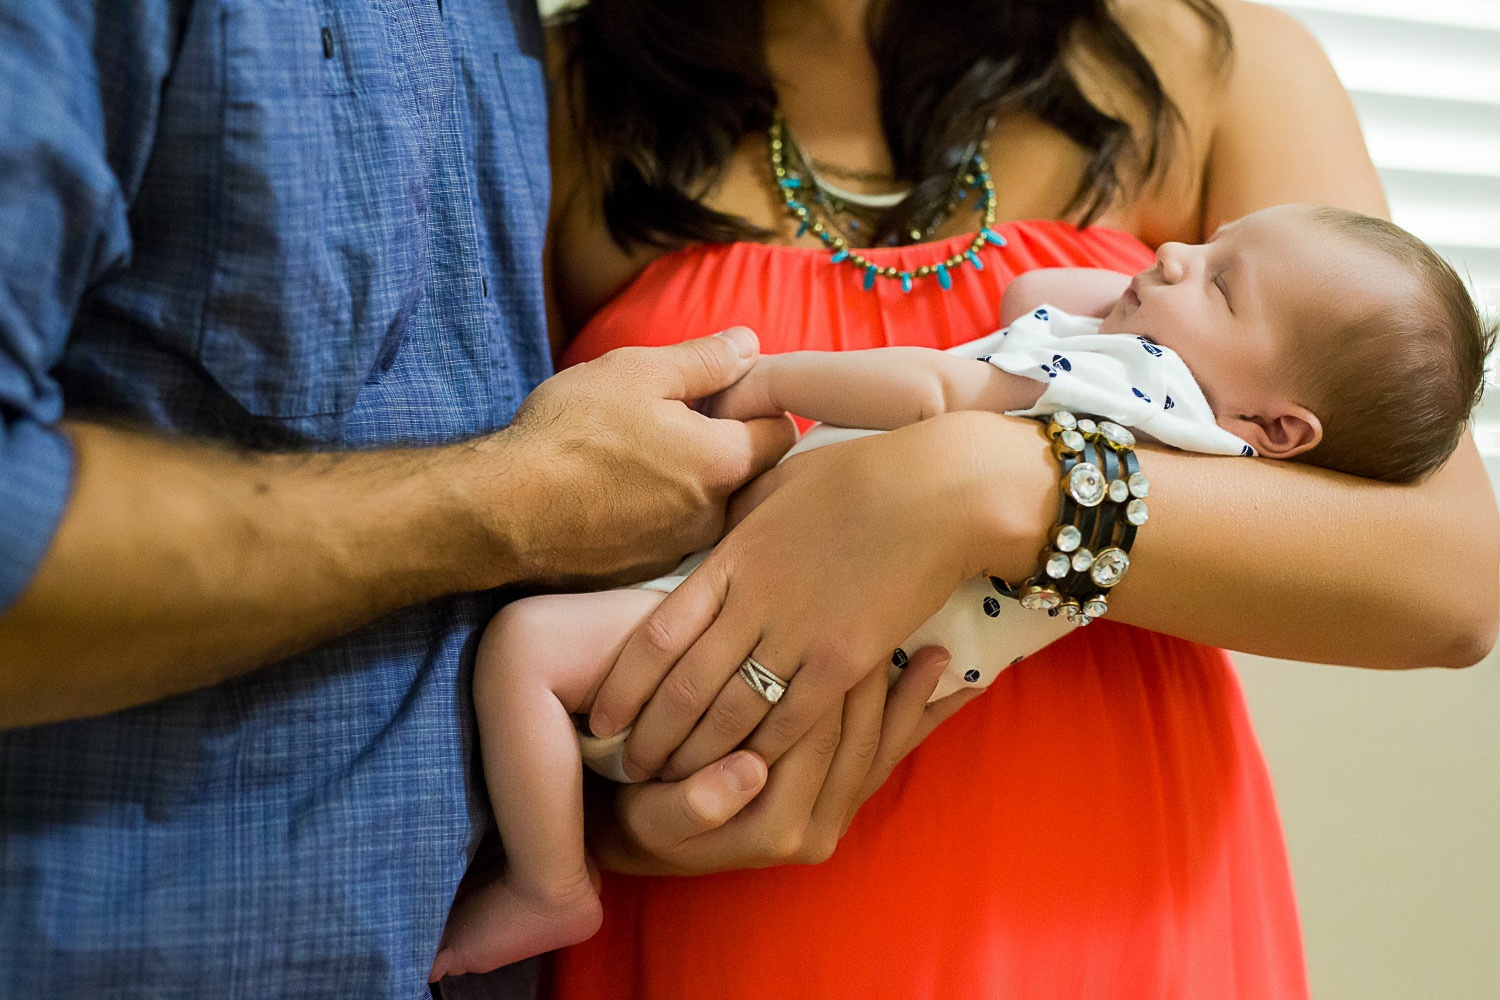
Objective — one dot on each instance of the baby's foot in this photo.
(501, 923)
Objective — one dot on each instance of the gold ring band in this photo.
(762, 681)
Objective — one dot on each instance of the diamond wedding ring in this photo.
(762, 681)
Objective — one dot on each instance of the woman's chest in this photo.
(1038, 174)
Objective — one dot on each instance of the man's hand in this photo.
(621, 476)
(749, 397)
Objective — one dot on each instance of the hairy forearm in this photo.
(178, 565)
(1281, 559)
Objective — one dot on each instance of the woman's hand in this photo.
(735, 814)
(851, 548)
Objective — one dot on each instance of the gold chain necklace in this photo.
(808, 202)
(848, 173)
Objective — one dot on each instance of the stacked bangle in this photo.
(1103, 503)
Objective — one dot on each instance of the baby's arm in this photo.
(882, 389)
(890, 387)
(1082, 291)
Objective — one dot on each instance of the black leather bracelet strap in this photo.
(1102, 504)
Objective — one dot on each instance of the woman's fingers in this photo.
(665, 828)
(819, 583)
(676, 828)
(910, 718)
(714, 820)
(859, 747)
(668, 632)
(737, 709)
(682, 704)
(821, 682)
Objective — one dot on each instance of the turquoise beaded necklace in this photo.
(806, 202)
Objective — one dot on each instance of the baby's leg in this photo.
(540, 659)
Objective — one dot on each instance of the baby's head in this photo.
(1322, 335)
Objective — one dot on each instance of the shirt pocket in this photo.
(321, 243)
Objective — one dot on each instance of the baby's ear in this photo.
(1283, 433)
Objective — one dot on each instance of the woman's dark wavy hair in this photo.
(664, 91)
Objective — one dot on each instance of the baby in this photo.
(1311, 334)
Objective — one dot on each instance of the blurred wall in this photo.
(1389, 786)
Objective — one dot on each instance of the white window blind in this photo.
(1425, 79)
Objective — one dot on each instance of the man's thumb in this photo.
(703, 366)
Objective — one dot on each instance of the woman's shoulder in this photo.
(1249, 83)
(1283, 129)
(1192, 33)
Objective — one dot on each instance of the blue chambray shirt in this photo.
(288, 223)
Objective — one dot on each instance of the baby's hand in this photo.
(746, 399)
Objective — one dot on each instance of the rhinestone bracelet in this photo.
(1103, 502)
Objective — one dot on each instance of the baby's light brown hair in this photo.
(1394, 384)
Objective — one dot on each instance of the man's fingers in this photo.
(758, 489)
(697, 368)
(742, 451)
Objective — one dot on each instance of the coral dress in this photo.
(1099, 823)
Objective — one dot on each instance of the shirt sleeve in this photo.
(78, 86)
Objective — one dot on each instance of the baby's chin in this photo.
(1114, 320)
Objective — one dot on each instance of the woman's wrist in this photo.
(1007, 487)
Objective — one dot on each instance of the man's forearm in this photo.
(179, 565)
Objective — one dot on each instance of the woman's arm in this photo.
(1290, 561)
(1257, 555)
(1283, 128)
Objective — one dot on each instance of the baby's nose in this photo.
(1169, 260)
